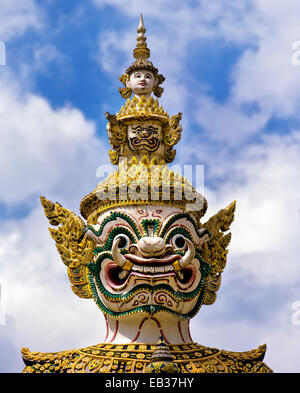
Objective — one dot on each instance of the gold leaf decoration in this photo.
(215, 249)
(75, 249)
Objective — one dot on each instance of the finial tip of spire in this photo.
(141, 22)
(141, 51)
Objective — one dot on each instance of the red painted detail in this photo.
(116, 331)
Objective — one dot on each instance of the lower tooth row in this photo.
(152, 269)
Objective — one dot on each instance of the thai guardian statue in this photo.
(142, 252)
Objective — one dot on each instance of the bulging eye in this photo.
(178, 241)
(123, 241)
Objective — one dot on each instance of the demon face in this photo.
(145, 136)
(147, 259)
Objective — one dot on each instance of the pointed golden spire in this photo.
(141, 54)
(141, 51)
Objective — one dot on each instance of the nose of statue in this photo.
(152, 246)
(144, 133)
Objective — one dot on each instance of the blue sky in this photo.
(229, 70)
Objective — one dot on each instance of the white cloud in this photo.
(265, 74)
(18, 16)
(244, 334)
(46, 55)
(228, 122)
(265, 233)
(43, 149)
(188, 22)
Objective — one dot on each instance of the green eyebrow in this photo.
(189, 218)
(181, 231)
(113, 216)
(109, 241)
(178, 217)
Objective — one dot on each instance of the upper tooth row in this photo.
(152, 269)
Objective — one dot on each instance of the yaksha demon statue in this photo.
(143, 254)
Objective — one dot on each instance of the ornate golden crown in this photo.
(142, 183)
(142, 109)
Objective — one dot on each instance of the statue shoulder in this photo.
(53, 362)
(196, 358)
(246, 362)
(190, 358)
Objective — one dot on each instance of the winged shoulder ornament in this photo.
(215, 249)
(75, 249)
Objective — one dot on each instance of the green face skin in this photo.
(151, 240)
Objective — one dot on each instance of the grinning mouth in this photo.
(139, 143)
(133, 264)
(148, 268)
